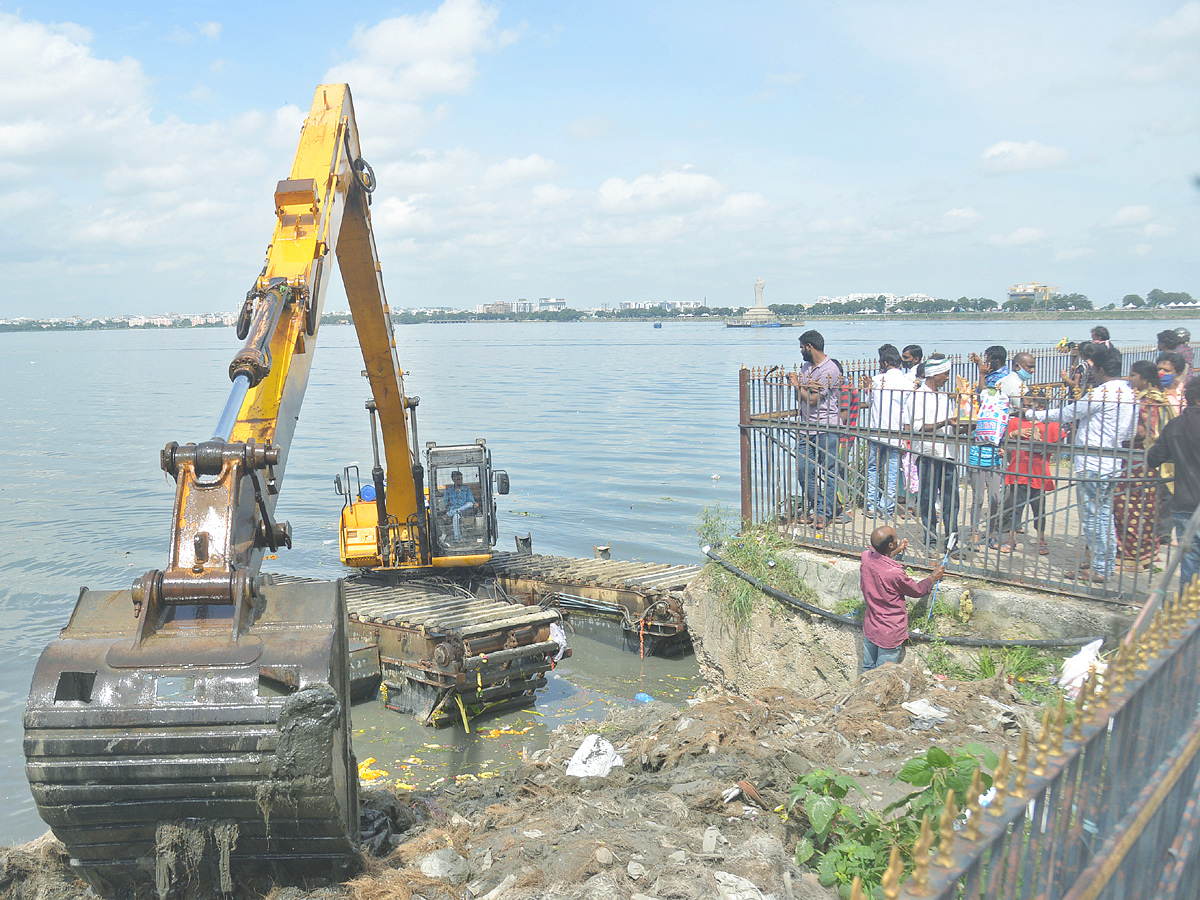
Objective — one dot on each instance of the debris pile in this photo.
(693, 803)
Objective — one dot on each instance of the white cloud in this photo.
(844, 225)
(746, 207)
(1020, 237)
(1074, 254)
(959, 219)
(534, 167)
(591, 128)
(1129, 215)
(1010, 156)
(681, 190)
(1182, 25)
(1154, 230)
(210, 30)
(404, 62)
(549, 195)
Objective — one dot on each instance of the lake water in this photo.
(612, 433)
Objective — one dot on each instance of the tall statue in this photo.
(758, 289)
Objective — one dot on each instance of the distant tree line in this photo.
(1157, 298)
(1056, 302)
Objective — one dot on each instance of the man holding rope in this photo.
(885, 585)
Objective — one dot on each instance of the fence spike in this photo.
(1081, 705)
(1161, 638)
(1000, 783)
(945, 854)
(891, 875)
(1114, 680)
(974, 810)
(1141, 657)
(1043, 745)
(1018, 790)
(920, 872)
(1058, 725)
(1174, 618)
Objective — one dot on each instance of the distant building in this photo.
(551, 304)
(1037, 293)
(524, 306)
(499, 308)
(661, 304)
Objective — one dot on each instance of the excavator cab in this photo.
(458, 528)
(462, 509)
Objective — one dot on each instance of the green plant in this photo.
(714, 525)
(936, 773)
(844, 842)
(758, 552)
(850, 606)
(1014, 662)
(841, 842)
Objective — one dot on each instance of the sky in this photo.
(611, 151)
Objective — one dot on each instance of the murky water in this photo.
(612, 433)
(599, 676)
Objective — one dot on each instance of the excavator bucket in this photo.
(191, 757)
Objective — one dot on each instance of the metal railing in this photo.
(1107, 807)
(1062, 502)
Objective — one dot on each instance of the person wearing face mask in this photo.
(1170, 378)
(1023, 365)
(818, 391)
(1136, 505)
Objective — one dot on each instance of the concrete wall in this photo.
(809, 655)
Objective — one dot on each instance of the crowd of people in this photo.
(1000, 434)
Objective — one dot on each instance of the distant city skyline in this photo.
(627, 151)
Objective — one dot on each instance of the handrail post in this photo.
(744, 428)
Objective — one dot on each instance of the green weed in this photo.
(841, 842)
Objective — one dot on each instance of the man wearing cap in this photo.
(457, 500)
(818, 390)
(932, 408)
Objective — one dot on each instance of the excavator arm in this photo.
(208, 707)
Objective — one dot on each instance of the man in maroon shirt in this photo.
(884, 588)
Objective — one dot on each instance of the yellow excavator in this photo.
(198, 722)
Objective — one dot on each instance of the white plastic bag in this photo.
(1075, 669)
(595, 757)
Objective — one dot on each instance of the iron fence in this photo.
(1056, 495)
(1105, 806)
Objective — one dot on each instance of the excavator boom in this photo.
(197, 724)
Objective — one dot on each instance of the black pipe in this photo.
(914, 636)
(418, 472)
(377, 479)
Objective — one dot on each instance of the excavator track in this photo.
(189, 758)
(448, 653)
(645, 598)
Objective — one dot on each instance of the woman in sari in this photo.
(1136, 503)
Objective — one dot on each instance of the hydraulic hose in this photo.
(914, 636)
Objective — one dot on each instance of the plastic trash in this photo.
(595, 757)
(1075, 669)
(559, 635)
(926, 715)
(643, 697)
(734, 887)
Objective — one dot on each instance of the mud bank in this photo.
(812, 656)
(697, 807)
(657, 826)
